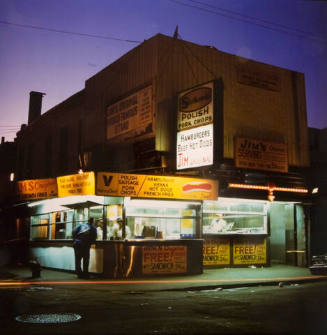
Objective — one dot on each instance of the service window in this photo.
(114, 222)
(61, 225)
(235, 216)
(96, 212)
(40, 227)
(162, 219)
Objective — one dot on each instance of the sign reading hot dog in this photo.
(195, 147)
(147, 186)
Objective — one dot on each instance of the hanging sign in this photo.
(260, 155)
(195, 147)
(195, 107)
(216, 251)
(249, 252)
(76, 184)
(36, 189)
(165, 259)
(163, 187)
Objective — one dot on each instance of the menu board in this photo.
(149, 186)
(76, 184)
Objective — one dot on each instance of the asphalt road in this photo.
(104, 309)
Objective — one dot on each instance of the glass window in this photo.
(40, 227)
(61, 225)
(161, 219)
(114, 221)
(97, 213)
(235, 216)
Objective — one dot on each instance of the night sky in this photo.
(54, 46)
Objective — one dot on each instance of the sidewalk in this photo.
(210, 279)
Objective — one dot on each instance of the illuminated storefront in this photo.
(160, 231)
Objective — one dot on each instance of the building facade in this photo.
(209, 151)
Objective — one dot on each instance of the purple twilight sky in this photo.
(54, 46)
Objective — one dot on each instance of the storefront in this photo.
(160, 225)
(147, 225)
(252, 232)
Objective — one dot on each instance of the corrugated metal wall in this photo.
(268, 103)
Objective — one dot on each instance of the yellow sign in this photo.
(260, 155)
(37, 189)
(216, 251)
(76, 184)
(164, 259)
(249, 252)
(146, 186)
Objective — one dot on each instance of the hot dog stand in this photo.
(161, 219)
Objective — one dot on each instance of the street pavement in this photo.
(277, 274)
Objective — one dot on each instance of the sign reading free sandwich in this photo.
(147, 186)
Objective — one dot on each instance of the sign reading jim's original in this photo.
(260, 155)
(195, 107)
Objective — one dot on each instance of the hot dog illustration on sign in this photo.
(196, 186)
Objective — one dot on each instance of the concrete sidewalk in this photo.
(210, 279)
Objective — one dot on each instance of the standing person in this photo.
(84, 235)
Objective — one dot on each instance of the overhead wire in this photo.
(250, 20)
(68, 32)
(257, 19)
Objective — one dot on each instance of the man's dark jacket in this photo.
(84, 235)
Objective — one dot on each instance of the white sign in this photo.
(132, 115)
(195, 107)
(195, 147)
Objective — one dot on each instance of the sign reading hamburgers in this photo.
(195, 107)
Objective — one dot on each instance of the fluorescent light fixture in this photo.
(159, 203)
(68, 200)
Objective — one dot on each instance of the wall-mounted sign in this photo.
(249, 252)
(260, 155)
(248, 75)
(195, 147)
(164, 259)
(216, 251)
(195, 107)
(76, 184)
(164, 187)
(37, 189)
(132, 116)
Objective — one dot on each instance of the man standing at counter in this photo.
(84, 236)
